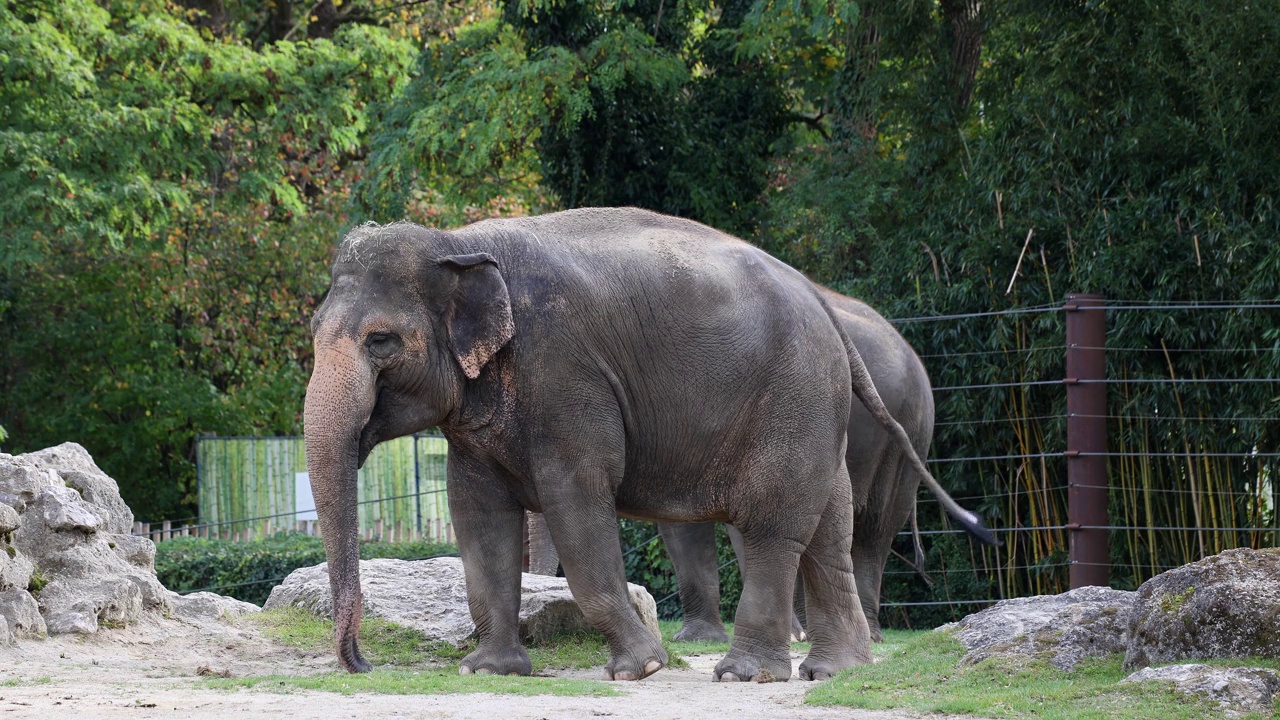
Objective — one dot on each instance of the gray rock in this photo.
(209, 607)
(21, 481)
(76, 468)
(8, 519)
(15, 568)
(1237, 690)
(6, 637)
(1224, 606)
(431, 597)
(1063, 629)
(64, 509)
(135, 550)
(21, 614)
(82, 605)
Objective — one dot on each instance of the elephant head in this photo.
(407, 322)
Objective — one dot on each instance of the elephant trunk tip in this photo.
(347, 631)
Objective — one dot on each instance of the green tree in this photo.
(675, 107)
(170, 201)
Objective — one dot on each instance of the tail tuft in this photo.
(973, 525)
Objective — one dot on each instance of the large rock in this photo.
(431, 597)
(1225, 606)
(204, 607)
(72, 535)
(1063, 629)
(1237, 690)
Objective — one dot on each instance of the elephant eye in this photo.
(382, 345)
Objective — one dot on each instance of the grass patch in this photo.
(922, 671)
(19, 682)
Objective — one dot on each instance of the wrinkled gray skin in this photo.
(588, 364)
(884, 484)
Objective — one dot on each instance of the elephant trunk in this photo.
(340, 399)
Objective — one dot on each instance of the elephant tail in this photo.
(918, 565)
(866, 391)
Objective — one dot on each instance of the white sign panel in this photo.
(304, 503)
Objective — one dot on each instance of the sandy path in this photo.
(150, 671)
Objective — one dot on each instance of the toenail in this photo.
(464, 670)
(728, 677)
(652, 667)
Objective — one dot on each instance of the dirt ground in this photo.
(150, 670)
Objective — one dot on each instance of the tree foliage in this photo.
(170, 201)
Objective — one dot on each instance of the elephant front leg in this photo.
(489, 527)
(586, 532)
(692, 547)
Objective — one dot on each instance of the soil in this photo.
(151, 670)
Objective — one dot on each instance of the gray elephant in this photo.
(588, 364)
(884, 486)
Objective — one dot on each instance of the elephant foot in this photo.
(816, 667)
(636, 665)
(701, 631)
(740, 666)
(496, 661)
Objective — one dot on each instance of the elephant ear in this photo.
(479, 314)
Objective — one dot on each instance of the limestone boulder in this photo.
(1063, 629)
(1237, 690)
(1225, 606)
(202, 607)
(431, 597)
(87, 576)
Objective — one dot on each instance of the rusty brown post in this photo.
(1087, 480)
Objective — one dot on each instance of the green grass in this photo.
(921, 671)
(406, 662)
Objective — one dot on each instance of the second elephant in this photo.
(884, 484)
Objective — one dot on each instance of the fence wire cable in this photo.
(989, 313)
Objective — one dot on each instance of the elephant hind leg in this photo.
(834, 618)
(692, 547)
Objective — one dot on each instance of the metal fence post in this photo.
(1087, 480)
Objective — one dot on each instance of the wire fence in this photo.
(1193, 436)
